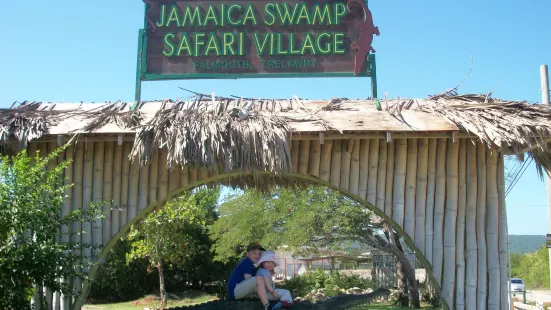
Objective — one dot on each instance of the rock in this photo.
(354, 291)
(368, 291)
(319, 297)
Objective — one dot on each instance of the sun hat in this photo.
(267, 256)
(255, 246)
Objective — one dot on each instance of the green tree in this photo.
(533, 268)
(171, 235)
(33, 229)
(305, 220)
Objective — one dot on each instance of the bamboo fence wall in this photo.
(448, 196)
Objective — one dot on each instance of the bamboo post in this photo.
(503, 233)
(431, 188)
(77, 203)
(163, 175)
(355, 168)
(373, 167)
(471, 269)
(51, 298)
(97, 194)
(153, 178)
(315, 155)
(381, 175)
(303, 156)
(174, 177)
(127, 147)
(492, 230)
(143, 185)
(194, 174)
(389, 179)
(346, 153)
(133, 188)
(452, 194)
(460, 237)
(87, 191)
(482, 290)
(411, 189)
(117, 183)
(203, 173)
(335, 177)
(107, 191)
(294, 155)
(184, 181)
(325, 161)
(421, 194)
(399, 182)
(66, 229)
(364, 168)
(439, 203)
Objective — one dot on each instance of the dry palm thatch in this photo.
(112, 113)
(28, 122)
(234, 139)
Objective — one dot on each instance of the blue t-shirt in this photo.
(265, 273)
(246, 266)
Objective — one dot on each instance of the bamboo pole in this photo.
(51, 298)
(439, 203)
(431, 188)
(315, 155)
(399, 182)
(460, 237)
(66, 229)
(346, 153)
(492, 230)
(482, 289)
(471, 269)
(194, 174)
(452, 194)
(364, 168)
(389, 179)
(421, 194)
(373, 167)
(133, 188)
(355, 168)
(125, 183)
(325, 161)
(107, 190)
(381, 175)
(411, 189)
(97, 194)
(295, 148)
(153, 178)
(117, 183)
(77, 203)
(184, 181)
(163, 175)
(335, 177)
(143, 185)
(203, 173)
(87, 191)
(503, 233)
(303, 156)
(174, 178)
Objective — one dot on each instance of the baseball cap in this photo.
(255, 246)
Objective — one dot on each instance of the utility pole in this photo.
(545, 100)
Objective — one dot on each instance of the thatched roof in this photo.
(253, 134)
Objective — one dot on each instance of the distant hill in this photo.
(525, 243)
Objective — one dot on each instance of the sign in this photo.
(548, 241)
(186, 39)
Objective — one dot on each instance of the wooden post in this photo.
(77, 203)
(503, 233)
(66, 230)
(294, 155)
(133, 188)
(373, 167)
(143, 185)
(335, 177)
(304, 156)
(51, 298)
(421, 194)
(460, 239)
(439, 204)
(471, 270)
(184, 181)
(87, 198)
(481, 227)
(203, 173)
(163, 175)
(355, 168)
(346, 153)
(117, 183)
(364, 168)
(492, 230)
(315, 155)
(544, 78)
(153, 178)
(381, 175)
(431, 187)
(452, 194)
(389, 179)
(107, 190)
(325, 161)
(97, 194)
(127, 147)
(174, 178)
(399, 182)
(411, 189)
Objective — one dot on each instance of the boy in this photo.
(243, 283)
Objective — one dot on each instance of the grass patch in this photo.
(154, 301)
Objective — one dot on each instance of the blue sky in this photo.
(74, 51)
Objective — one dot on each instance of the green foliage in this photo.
(533, 268)
(332, 283)
(35, 237)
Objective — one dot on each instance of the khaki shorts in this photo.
(247, 288)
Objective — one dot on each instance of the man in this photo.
(243, 282)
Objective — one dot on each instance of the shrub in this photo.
(332, 283)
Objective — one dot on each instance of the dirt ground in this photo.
(541, 296)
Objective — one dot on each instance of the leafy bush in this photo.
(533, 268)
(332, 283)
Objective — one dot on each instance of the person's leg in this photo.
(284, 294)
(251, 286)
